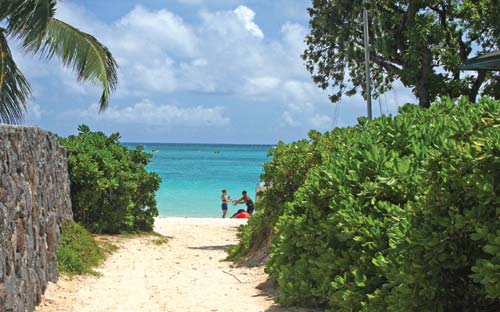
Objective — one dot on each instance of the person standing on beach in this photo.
(225, 200)
(247, 200)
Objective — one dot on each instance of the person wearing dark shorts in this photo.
(225, 200)
(247, 200)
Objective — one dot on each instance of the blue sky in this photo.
(194, 71)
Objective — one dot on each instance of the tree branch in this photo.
(481, 75)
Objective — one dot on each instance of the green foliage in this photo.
(399, 214)
(78, 252)
(451, 255)
(12, 103)
(111, 190)
(334, 237)
(251, 236)
(285, 173)
(420, 43)
(90, 59)
(33, 24)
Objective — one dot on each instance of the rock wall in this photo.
(34, 202)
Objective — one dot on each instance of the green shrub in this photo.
(78, 253)
(250, 236)
(111, 190)
(286, 172)
(451, 258)
(398, 214)
(345, 216)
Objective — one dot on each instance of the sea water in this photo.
(193, 175)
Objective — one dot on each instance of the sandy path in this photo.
(186, 274)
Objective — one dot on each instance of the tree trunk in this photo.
(481, 74)
(423, 97)
(422, 84)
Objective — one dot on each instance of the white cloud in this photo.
(322, 122)
(289, 119)
(191, 2)
(211, 3)
(34, 111)
(294, 36)
(149, 114)
(246, 15)
(27, 63)
(158, 29)
(300, 95)
(80, 17)
(160, 53)
(261, 85)
(157, 76)
(147, 45)
(219, 51)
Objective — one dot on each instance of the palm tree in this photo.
(32, 23)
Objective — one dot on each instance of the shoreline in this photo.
(201, 219)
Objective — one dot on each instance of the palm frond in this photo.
(7, 7)
(14, 89)
(28, 20)
(91, 60)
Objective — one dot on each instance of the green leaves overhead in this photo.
(420, 43)
(90, 59)
(28, 21)
(32, 23)
(14, 89)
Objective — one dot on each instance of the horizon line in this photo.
(190, 143)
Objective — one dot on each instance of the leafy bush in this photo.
(451, 258)
(77, 253)
(111, 191)
(346, 215)
(398, 214)
(285, 173)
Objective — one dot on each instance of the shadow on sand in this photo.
(216, 247)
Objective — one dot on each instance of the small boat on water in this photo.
(155, 151)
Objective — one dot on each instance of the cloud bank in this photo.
(212, 68)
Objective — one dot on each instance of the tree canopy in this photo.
(420, 43)
(33, 24)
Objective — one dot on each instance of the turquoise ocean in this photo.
(194, 174)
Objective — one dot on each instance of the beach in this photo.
(187, 274)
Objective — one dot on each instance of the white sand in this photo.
(186, 274)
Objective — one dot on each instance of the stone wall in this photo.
(34, 202)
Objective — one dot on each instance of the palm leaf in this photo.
(14, 89)
(6, 8)
(28, 20)
(91, 60)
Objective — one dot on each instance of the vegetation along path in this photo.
(186, 274)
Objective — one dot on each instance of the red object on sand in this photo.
(242, 215)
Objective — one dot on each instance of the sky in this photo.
(194, 71)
